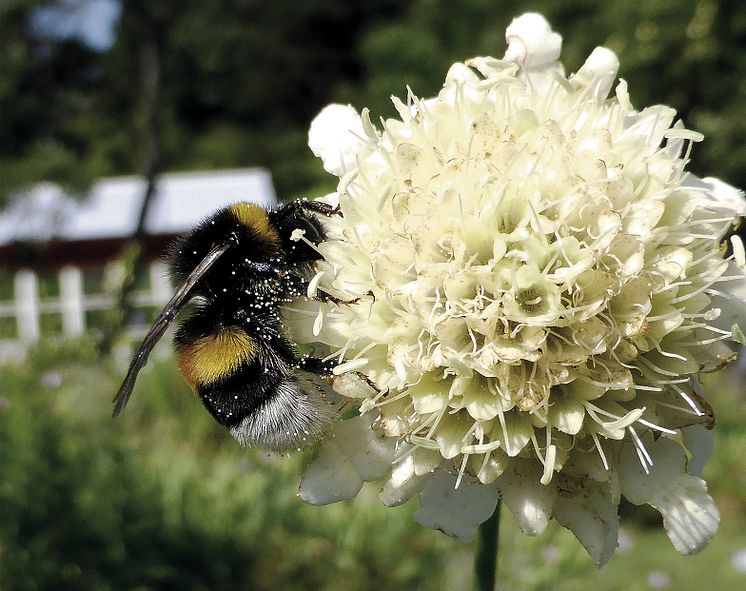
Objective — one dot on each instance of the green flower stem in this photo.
(485, 554)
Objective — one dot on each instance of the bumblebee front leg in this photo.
(315, 206)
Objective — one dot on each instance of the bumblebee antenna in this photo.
(167, 315)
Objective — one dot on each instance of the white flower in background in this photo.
(540, 281)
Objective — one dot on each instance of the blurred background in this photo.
(124, 122)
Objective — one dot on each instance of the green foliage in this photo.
(45, 89)
(726, 469)
(79, 513)
(241, 80)
(163, 499)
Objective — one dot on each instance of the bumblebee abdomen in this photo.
(294, 414)
(270, 407)
(210, 358)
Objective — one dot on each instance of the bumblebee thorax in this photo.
(255, 218)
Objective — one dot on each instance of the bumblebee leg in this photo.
(294, 284)
(317, 366)
(298, 286)
(283, 352)
(315, 206)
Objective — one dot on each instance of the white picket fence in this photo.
(27, 306)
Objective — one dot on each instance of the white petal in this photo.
(530, 501)
(622, 96)
(517, 433)
(531, 41)
(425, 460)
(598, 72)
(335, 135)
(352, 454)
(392, 495)
(592, 516)
(351, 385)
(651, 124)
(458, 73)
(402, 470)
(733, 309)
(699, 441)
(725, 195)
(567, 414)
(689, 513)
(455, 511)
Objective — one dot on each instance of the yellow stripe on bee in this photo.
(255, 217)
(209, 358)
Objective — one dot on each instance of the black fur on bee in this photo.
(241, 265)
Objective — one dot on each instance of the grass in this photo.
(162, 498)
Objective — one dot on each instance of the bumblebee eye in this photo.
(310, 231)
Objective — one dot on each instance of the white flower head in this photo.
(535, 283)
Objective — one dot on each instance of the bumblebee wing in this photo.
(167, 315)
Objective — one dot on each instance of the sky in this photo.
(94, 22)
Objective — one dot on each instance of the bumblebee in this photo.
(240, 265)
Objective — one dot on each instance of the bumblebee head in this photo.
(290, 218)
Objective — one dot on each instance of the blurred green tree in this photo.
(46, 89)
(242, 78)
(240, 81)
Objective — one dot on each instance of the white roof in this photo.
(112, 206)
